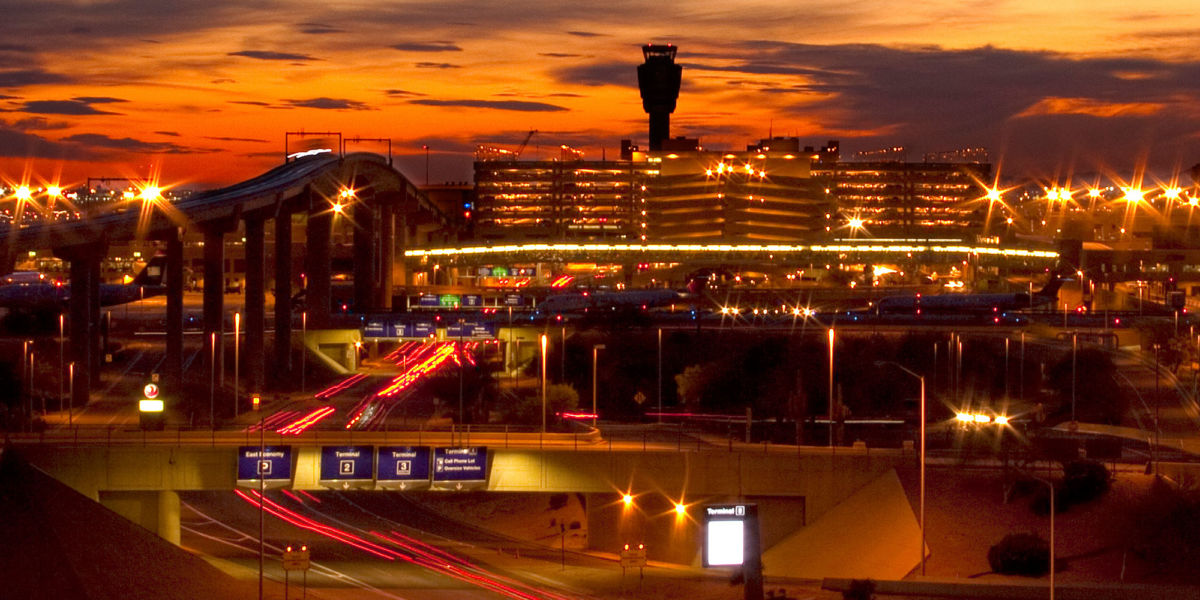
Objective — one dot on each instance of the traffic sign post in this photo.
(150, 408)
(295, 559)
(633, 557)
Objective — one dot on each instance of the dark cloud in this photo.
(96, 141)
(24, 77)
(235, 139)
(403, 93)
(329, 104)
(19, 144)
(587, 34)
(4, 97)
(250, 102)
(61, 107)
(98, 99)
(426, 47)
(559, 55)
(317, 29)
(39, 124)
(515, 105)
(170, 133)
(929, 98)
(601, 73)
(268, 55)
(436, 65)
(223, 80)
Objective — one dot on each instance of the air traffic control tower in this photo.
(658, 80)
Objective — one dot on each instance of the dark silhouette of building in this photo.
(658, 80)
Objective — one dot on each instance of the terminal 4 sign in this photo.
(271, 464)
(460, 468)
(347, 466)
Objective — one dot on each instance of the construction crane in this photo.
(524, 143)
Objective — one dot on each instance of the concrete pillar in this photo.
(81, 325)
(94, 325)
(256, 323)
(283, 295)
(214, 306)
(317, 268)
(387, 256)
(365, 257)
(174, 325)
(168, 516)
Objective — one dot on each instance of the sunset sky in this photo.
(204, 90)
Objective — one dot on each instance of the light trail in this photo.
(302, 424)
(414, 551)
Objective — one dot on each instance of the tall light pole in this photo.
(660, 374)
(831, 340)
(544, 343)
(462, 365)
(62, 364)
(303, 346)
(1051, 486)
(595, 360)
(1074, 346)
(237, 337)
(71, 405)
(212, 380)
(921, 428)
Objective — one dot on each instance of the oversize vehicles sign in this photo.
(273, 465)
(403, 467)
(460, 468)
(346, 466)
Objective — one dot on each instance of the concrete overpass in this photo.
(362, 186)
(140, 475)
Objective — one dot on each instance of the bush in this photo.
(1020, 554)
(1084, 481)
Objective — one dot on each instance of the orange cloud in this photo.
(1090, 107)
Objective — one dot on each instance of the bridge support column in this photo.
(214, 309)
(85, 330)
(283, 295)
(366, 265)
(255, 303)
(387, 256)
(95, 327)
(168, 516)
(174, 349)
(318, 270)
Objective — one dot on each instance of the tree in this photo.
(1020, 554)
(693, 382)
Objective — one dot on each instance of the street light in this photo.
(237, 322)
(544, 340)
(62, 364)
(831, 340)
(595, 358)
(921, 485)
(1051, 486)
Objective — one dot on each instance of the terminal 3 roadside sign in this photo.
(403, 467)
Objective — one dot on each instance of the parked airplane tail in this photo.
(1051, 288)
(153, 273)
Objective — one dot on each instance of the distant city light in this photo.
(1134, 195)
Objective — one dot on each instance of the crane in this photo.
(524, 143)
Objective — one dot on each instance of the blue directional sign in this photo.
(421, 329)
(472, 300)
(428, 300)
(460, 468)
(513, 300)
(344, 466)
(471, 330)
(377, 328)
(273, 465)
(404, 467)
(398, 329)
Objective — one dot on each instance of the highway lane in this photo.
(351, 548)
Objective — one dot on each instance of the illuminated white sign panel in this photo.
(725, 534)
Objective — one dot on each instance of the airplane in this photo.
(45, 294)
(972, 303)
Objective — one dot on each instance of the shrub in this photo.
(1084, 481)
(1020, 554)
